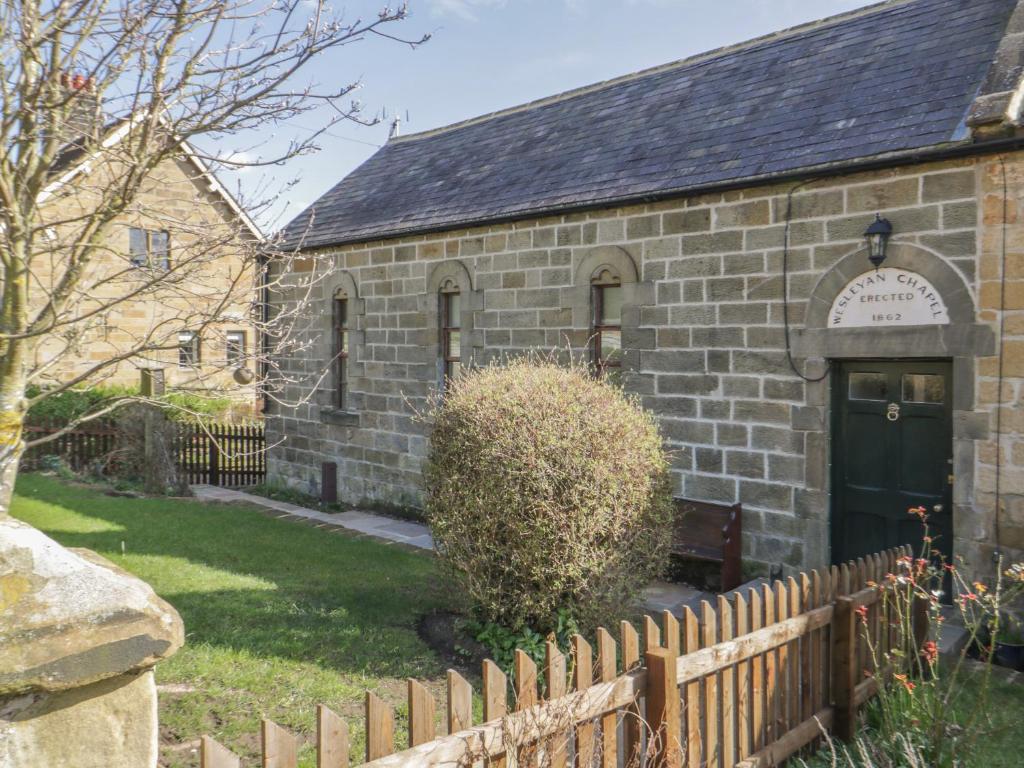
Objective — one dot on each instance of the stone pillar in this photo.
(78, 641)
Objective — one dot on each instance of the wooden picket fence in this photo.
(223, 454)
(78, 448)
(747, 683)
(215, 454)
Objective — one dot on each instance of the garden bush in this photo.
(547, 491)
(62, 407)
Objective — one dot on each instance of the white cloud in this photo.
(463, 9)
(239, 162)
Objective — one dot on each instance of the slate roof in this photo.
(895, 77)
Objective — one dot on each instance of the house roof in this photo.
(892, 78)
(75, 158)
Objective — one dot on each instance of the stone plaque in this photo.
(888, 296)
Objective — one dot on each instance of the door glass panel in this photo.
(868, 385)
(924, 388)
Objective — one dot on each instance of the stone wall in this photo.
(1001, 261)
(78, 642)
(702, 330)
(203, 233)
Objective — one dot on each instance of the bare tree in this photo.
(166, 78)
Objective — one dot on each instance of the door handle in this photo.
(937, 509)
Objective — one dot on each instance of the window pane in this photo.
(341, 312)
(924, 388)
(137, 246)
(454, 314)
(611, 305)
(611, 346)
(188, 349)
(869, 386)
(344, 342)
(159, 250)
(454, 343)
(235, 346)
(453, 369)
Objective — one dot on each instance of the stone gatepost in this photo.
(78, 641)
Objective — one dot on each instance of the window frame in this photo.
(341, 340)
(601, 365)
(147, 262)
(449, 357)
(240, 350)
(195, 357)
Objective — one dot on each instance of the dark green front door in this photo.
(892, 450)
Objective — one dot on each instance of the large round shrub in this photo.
(547, 490)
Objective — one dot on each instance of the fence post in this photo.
(663, 709)
(919, 620)
(844, 671)
(214, 463)
(151, 481)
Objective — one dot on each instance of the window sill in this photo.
(339, 418)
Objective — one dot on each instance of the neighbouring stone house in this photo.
(183, 228)
(701, 226)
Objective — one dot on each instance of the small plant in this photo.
(547, 491)
(921, 715)
(503, 642)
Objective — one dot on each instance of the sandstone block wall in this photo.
(703, 336)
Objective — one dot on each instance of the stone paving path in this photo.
(380, 527)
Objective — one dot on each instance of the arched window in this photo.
(341, 342)
(450, 314)
(449, 304)
(606, 298)
(606, 322)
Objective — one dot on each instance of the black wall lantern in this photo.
(878, 235)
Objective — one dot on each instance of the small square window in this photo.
(188, 349)
(235, 347)
(149, 248)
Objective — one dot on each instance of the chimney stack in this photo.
(83, 119)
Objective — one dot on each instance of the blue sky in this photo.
(486, 55)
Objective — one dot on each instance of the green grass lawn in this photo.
(278, 616)
(1002, 722)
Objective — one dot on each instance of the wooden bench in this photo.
(706, 531)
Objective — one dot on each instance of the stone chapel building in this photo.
(701, 227)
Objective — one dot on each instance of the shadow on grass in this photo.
(248, 582)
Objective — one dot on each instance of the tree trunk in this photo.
(12, 417)
(12, 444)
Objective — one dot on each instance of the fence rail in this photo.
(747, 683)
(215, 454)
(78, 447)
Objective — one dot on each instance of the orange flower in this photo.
(909, 685)
(863, 613)
(930, 651)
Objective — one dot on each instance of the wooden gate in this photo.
(223, 454)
